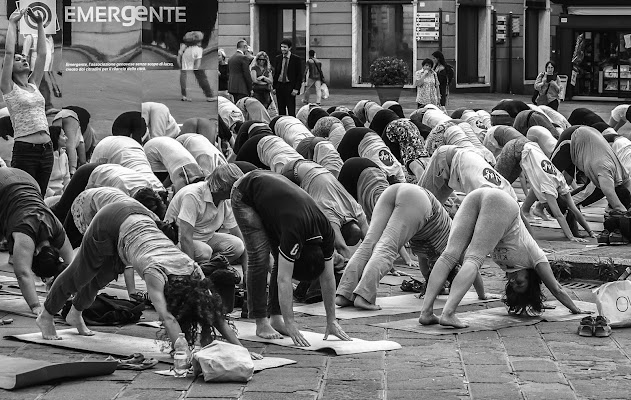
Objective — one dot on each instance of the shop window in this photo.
(387, 30)
(531, 38)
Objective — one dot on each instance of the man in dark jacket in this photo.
(240, 80)
(287, 79)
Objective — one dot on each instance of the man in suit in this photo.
(287, 79)
(239, 78)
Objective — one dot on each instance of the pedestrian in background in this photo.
(427, 85)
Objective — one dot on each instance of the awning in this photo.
(610, 10)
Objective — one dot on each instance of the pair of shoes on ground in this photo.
(612, 238)
(594, 326)
(414, 286)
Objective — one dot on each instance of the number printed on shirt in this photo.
(548, 167)
(294, 250)
(492, 176)
(386, 158)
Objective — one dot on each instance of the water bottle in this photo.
(181, 357)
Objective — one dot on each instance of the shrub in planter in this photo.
(388, 71)
(562, 270)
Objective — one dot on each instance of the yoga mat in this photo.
(123, 345)
(247, 331)
(490, 320)
(595, 226)
(15, 304)
(393, 305)
(16, 372)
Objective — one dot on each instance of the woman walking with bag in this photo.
(548, 84)
(313, 76)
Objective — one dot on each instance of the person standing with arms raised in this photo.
(239, 79)
(32, 149)
(287, 78)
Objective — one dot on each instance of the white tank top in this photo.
(27, 111)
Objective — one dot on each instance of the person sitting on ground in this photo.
(172, 163)
(159, 120)
(488, 222)
(207, 156)
(620, 115)
(547, 184)
(343, 212)
(263, 202)
(404, 213)
(364, 142)
(36, 238)
(200, 210)
(125, 233)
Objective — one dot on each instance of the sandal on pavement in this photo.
(586, 327)
(601, 327)
(144, 364)
(413, 285)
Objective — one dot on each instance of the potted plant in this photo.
(388, 75)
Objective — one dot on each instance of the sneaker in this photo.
(603, 238)
(616, 238)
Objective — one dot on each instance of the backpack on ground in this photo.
(109, 311)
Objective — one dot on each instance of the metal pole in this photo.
(440, 30)
(510, 52)
(494, 36)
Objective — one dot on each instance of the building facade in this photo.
(494, 45)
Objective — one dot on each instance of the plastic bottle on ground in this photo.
(181, 357)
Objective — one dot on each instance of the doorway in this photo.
(283, 21)
(468, 37)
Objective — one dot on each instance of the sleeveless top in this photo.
(27, 111)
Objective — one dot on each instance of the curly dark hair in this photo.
(47, 263)
(152, 200)
(195, 305)
(533, 298)
(170, 230)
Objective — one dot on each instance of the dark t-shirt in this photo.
(349, 146)
(23, 210)
(350, 172)
(512, 107)
(290, 216)
(584, 116)
(561, 156)
(249, 151)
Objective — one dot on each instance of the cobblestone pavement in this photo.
(543, 361)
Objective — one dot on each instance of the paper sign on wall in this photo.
(47, 9)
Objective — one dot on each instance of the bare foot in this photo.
(451, 320)
(277, 322)
(538, 212)
(75, 319)
(362, 303)
(342, 301)
(46, 324)
(428, 319)
(529, 216)
(265, 330)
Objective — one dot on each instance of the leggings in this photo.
(76, 185)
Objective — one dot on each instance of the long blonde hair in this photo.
(264, 55)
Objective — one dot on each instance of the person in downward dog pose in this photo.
(488, 222)
(403, 213)
(263, 202)
(125, 233)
